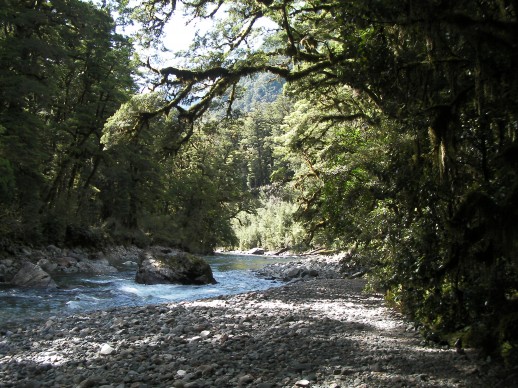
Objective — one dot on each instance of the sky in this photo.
(179, 33)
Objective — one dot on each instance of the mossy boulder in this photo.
(173, 267)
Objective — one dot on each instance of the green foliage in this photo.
(334, 155)
(128, 123)
(205, 188)
(260, 89)
(272, 226)
(261, 126)
(7, 181)
(177, 192)
(508, 337)
(63, 71)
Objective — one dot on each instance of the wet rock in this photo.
(173, 268)
(47, 265)
(292, 273)
(54, 249)
(6, 262)
(32, 276)
(65, 263)
(99, 266)
(256, 251)
(265, 385)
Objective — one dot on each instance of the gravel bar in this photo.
(313, 333)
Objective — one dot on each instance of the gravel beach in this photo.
(314, 333)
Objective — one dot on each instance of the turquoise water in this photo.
(81, 293)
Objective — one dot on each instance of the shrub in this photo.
(271, 227)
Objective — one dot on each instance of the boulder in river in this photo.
(256, 251)
(32, 276)
(173, 267)
(98, 266)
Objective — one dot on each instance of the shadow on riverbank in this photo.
(319, 333)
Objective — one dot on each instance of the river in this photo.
(83, 293)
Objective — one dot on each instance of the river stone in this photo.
(181, 374)
(99, 266)
(293, 273)
(33, 276)
(47, 265)
(66, 262)
(93, 381)
(106, 349)
(244, 380)
(256, 251)
(173, 268)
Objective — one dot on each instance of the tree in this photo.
(336, 150)
(204, 187)
(178, 183)
(64, 71)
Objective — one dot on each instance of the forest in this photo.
(384, 127)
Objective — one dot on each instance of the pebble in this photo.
(244, 380)
(106, 349)
(316, 333)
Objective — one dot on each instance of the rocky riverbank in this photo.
(337, 266)
(36, 268)
(26, 265)
(318, 333)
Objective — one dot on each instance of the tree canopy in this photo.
(63, 72)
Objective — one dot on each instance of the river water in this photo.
(82, 293)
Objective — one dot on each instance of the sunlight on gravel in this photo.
(318, 333)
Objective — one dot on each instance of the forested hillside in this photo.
(395, 135)
(63, 72)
